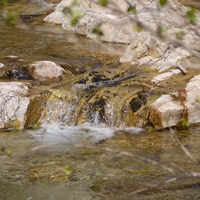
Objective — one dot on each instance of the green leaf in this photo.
(76, 16)
(163, 2)
(103, 2)
(97, 30)
(191, 14)
(11, 18)
(131, 10)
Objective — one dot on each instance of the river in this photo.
(90, 162)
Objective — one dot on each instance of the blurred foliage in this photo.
(3, 3)
(131, 9)
(191, 14)
(7, 152)
(10, 16)
(162, 2)
(97, 30)
(103, 2)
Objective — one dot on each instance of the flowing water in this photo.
(92, 161)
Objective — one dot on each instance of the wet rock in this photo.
(16, 68)
(46, 71)
(137, 102)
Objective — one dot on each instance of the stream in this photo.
(92, 161)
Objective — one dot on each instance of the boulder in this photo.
(13, 104)
(192, 102)
(165, 112)
(17, 110)
(46, 71)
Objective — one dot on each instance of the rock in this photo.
(165, 112)
(164, 76)
(181, 108)
(144, 48)
(2, 70)
(46, 71)
(17, 110)
(192, 102)
(13, 104)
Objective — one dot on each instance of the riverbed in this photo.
(90, 161)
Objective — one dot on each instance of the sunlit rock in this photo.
(165, 112)
(13, 104)
(46, 71)
(192, 102)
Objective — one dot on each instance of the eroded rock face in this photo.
(46, 71)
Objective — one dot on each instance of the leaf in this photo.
(137, 28)
(191, 14)
(97, 30)
(163, 2)
(76, 16)
(131, 10)
(11, 18)
(103, 2)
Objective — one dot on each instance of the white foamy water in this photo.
(54, 133)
